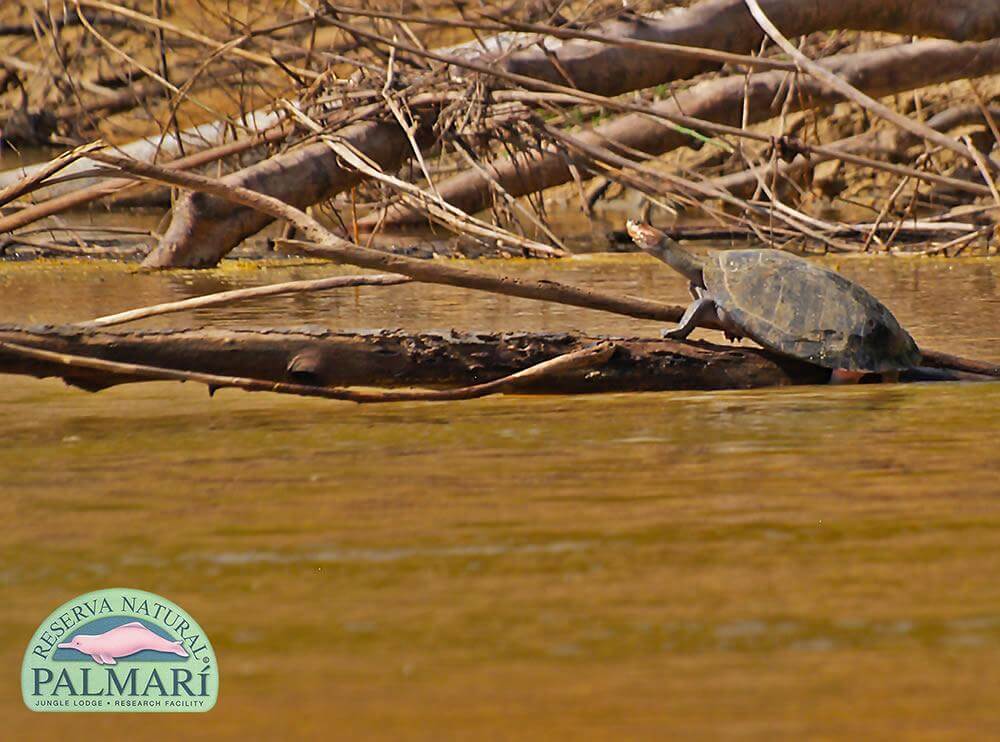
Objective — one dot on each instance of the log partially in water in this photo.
(317, 357)
(394, 359)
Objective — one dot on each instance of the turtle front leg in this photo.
(729, 328)
(697, 311)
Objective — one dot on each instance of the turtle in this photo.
(788, 305)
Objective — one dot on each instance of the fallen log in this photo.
(878, 73)
(593, 355)
(311, 360)
(726, 25)
(395, 359)
(203, 229)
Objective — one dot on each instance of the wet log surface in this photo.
(388, 358)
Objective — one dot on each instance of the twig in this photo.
(105, 42)
(230, 297)
(194, 36)
(35, 180)
(37, 69)
(465, 151)
(987, 113)
(888, 204)
(959, 242)
(852, 93)
(437, 206)
(984, 169)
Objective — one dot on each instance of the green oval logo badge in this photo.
(119, 650)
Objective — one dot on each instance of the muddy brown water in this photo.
(796, 563)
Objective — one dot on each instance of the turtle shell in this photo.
(800, 309)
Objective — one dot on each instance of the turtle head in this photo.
(653, 241)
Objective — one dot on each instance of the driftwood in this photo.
(237, 295)
(203, 229)
(596, 354)
(727, 25)
(396, 359)
(305, 361)
(879, 73)
(308, 358)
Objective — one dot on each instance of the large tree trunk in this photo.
(878, 73)
(203, 230)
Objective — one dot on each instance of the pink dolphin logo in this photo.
(121, 641)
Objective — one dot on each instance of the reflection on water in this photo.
(815, 562)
